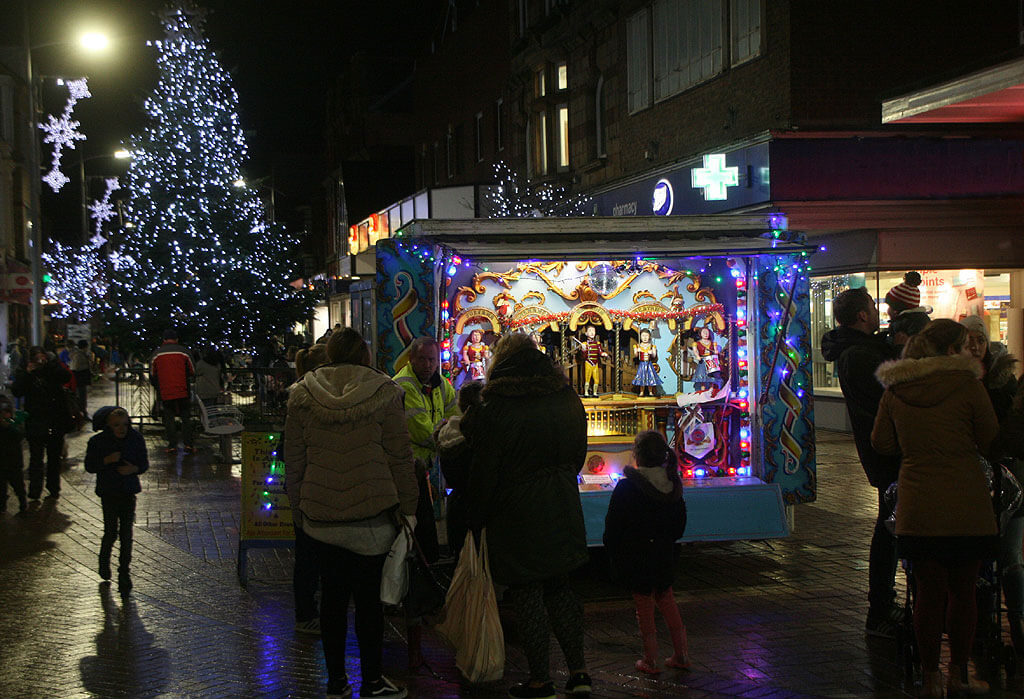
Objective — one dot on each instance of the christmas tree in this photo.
(511, 197)
(201, 258)
(77, 282)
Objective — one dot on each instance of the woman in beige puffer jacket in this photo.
(936, 413)
(349, 469)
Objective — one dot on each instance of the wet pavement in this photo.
(765, 619)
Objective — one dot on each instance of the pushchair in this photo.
(991, 653)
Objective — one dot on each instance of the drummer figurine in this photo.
(593, 353)
(707, 354)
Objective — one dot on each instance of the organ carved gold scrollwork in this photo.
(674, 277)
(652, 308)
(475, 313)
(535, 311)
(533, 295)
(643, 294)
(589, 313)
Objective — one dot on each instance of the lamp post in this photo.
(91, 41)
(121, 154)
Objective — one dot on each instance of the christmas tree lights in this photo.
(77, 281)
(200, 256)
(512, 197)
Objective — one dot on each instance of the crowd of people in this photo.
(930, 403)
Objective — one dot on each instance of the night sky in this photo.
(282, 56)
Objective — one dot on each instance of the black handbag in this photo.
(426, 594)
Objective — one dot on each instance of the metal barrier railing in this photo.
(261, 394)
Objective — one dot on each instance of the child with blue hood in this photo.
(117, 455)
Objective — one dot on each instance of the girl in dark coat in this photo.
(646, 516)
(529, 442)
(117, 455)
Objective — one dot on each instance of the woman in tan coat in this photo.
(937, 413)
(349, 469)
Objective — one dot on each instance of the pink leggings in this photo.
(937, 584)
(666, 602)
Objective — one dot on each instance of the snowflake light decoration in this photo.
(63, 131)
(103, 210)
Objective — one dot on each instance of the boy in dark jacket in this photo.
(12, 464)
(117, 455)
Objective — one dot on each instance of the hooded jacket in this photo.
(529, 442)
(171, 370)
(938, 414)
(857, 355)
(347, 452)
(43, 391)
(132, 448)
(640, 530)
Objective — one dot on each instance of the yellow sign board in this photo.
(266, 512)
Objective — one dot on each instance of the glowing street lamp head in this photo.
(94, 41)
(240, 182)
(122, 154)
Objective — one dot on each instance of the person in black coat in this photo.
(646, 516)
(12, 464)
(529, 443)
(455, 457)
(117, 455)
(857, 349)
(41, 384)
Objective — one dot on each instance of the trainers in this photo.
(579, 683)
(311, 626)
(525, 691)
(383, 688)
(881, 627)
(340, 691)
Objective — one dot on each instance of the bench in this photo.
(223, 420)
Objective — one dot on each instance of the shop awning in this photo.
(607, 237)
(991, 95)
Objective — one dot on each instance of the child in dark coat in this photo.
(646, 516)
(454, 455)
(117, 455)
(12, 463)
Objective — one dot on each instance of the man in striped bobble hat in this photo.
(904, 295)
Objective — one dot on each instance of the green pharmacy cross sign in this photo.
(715, 177)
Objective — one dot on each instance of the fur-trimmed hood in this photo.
(642, 478)
(528, 372)
(1001, 367)
(342, 392)
(927, 381)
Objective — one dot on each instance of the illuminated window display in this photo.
(710, 348)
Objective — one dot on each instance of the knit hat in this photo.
(975, 324)
(906, 294)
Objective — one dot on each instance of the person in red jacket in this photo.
(171, 371)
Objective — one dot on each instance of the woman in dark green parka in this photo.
(529, 443)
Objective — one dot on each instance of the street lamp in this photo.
(35, 229)
(120, 154)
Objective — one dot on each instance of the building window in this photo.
(437, 163)
(599, 122)
(563, 136)
(638, 61)
(524, 20)
(479, 137)
(687, 44)
(539, 144)
(745, 30)
(563, 76)
(499, 125)
(459, 149)
(540, 83)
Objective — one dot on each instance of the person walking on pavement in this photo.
(350, 472)
(529, 443)
(170, 371)
(646, 516)
(857, 349)
(41, 384)
(81, 367)
(936, 411)
(12, 462)
(306, 571)
(117, 455)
